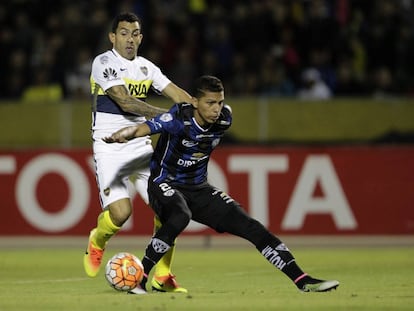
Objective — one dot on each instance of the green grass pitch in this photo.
(217, 279)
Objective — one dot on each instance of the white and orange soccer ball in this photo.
(124, 271)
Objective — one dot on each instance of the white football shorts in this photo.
(118, 165)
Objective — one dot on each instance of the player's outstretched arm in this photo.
(127, 133)
(177, 94)
(131, 104)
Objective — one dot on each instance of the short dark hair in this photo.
(207, 84)
(125, 17)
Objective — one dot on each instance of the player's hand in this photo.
(115, 138)
(123, 135)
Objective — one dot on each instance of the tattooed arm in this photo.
(131, 104)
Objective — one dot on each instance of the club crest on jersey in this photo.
(110, 74)
(144, 70)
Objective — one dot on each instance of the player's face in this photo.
(208, 108)
(126, 39)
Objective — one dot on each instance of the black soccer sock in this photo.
(153, 253)
(144, 282)
(276, 252)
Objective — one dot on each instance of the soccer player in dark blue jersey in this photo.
(179, 190)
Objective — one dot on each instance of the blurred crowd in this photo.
(277, 48)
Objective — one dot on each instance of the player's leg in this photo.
(163, 267)
(275, 251)
(114, 196)
(234, 220)
(175, 218)
(163, 279)
(109, 222)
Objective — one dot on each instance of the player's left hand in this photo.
(122, 136)
(114, 138)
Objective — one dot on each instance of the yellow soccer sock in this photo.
(163, 267)
(104, 231)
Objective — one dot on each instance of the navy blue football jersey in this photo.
(183, 149)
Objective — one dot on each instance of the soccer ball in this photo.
(124, 271)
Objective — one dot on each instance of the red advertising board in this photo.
(292, 190)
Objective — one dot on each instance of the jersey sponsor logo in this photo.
(189, 143)
(110, 74)
(138, 90)
(273, 257)
(195, 158)
(186, 163)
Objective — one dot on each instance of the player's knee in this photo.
(120, 212)
(181, 219)
(237, 222)
(175, 224)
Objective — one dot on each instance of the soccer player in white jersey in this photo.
(120, 81)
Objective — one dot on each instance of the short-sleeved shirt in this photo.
(116, 164)
(183, 149)
(138, 75)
